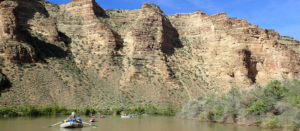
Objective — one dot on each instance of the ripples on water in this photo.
(148, 123)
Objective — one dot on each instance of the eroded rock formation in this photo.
(80, 54)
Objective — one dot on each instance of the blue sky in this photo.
(281, 15)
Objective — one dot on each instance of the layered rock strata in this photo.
(80, 54)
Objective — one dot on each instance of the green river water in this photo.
(147, 123)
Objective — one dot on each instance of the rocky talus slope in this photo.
(79, 54)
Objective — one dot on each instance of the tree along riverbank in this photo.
(276, 105)
(34, 111)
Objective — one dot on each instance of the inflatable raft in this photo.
(71, 125)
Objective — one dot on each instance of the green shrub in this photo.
(258, 107)
(292, 126)
(117, 111)
(34, 111)
(52, 110)
(279, 99)
(29, 110)
(105, 112)
(219, 112)
(264, 99)
(46, 110)
(272, 122)
(211, 115)
(57, 110)
(275, 89)
(292, 96)
(8, 111)
(151, 110)
(137, 110)
(88, 111)
(169, 111)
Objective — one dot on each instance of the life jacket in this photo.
(78, 119)
(71, 120)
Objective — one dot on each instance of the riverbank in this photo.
(276, 105)
(58, 110)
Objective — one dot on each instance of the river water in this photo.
(146, 123)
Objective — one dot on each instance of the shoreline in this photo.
(35, 111)
(241, 124)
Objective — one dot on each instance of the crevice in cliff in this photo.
(119, 41)
(4, 83)
(169, 68)
(250, 65)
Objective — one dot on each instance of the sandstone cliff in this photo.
(80, 54)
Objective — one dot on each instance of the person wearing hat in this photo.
(71, 118)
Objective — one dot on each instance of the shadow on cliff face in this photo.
(250, 65)
(43, 49)
(64, 38)
(170, 42)
(119, 41)
(26, 11)
(170, 38)
(4, 83)
(99, 11)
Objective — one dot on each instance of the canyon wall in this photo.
(80, 54)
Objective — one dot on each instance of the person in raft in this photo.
(72, 115)
(71, 118)
(78, 119)
(93, 119)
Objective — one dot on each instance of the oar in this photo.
(90, 124)
(54, 124)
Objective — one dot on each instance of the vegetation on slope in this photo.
(58, 110)
(276, 105)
